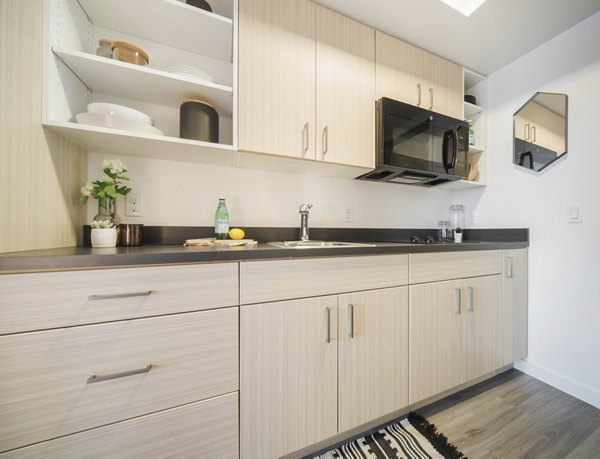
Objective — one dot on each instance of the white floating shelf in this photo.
(106, 140)
(472, 109)
(170, 22)
(461, 185)
(121, 79)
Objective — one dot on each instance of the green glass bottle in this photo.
(221, 221)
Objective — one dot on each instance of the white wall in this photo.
(564, 295)
(186, 194)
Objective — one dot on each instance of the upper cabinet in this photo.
(190, 42)
(306, 83)
(414, 76)
(345, 90)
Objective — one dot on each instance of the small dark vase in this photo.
(202, 4)
(198, 121)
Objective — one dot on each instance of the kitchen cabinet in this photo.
(304, 378)
(515, 299)
(345, 90)
(288, 378)
(276, 66)
(306, 83)
(454, 333)
(414, 76)
(74, 76)
(455, 309)
(130, 349)
(373, 355)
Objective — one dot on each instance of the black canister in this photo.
(203, 4)
(198, 121)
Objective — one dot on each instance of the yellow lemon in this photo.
(236, 234)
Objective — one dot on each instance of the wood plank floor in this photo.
(516, 416)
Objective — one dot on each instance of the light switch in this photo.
(575, 212)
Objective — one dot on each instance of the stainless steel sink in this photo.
(317, 244)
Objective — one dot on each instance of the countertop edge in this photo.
(80, 258)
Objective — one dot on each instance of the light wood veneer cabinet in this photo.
(313, 367)
(515, 305)
(306, 83)
(108, 367)
(541, 126)
(414, 76)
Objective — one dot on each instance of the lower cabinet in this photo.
(455, 331)
(311, 368)
(207, 429)
(515, 305)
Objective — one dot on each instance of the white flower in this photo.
(114, 165)
(87, 190)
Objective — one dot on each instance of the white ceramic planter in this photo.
(457, 237)
(104, 237)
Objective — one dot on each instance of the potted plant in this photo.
(104, 234)
(106, 190)
(458, 234)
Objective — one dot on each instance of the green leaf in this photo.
(83, 199)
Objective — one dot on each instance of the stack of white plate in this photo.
(192, 72)
(117, 117)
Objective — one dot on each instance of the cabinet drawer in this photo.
(207, 429)
(432, 267)
(262, 281)
(50, 300)
(46, 384)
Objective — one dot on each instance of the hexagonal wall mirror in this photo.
(540, 131)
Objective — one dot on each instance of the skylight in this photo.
(466, 7)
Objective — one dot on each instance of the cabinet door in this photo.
(482, 325)
(345, 90)
(276, 84)
(522, 124)
(398, 70)
(547, 128)
(373, 355)
(435, 353)
(515, 305)
(442, 92)
(288, 377)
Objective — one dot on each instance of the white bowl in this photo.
(116, 122)
(119, 110)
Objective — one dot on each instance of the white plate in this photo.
(190, 71)
(116, 122)
(119, 110)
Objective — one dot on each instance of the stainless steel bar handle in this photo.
(457, 304)
(328, 315)
(305, 137)
(99, 378)
(526, 131)
(325, 140)
(351, 315)
(418, 94)
(431, 98)
(470, 306)
(533, 136)
(509, 268)
(118, 295)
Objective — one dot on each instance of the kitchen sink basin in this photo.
(317, 244)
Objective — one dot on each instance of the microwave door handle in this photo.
(454, 147)
(449, 163)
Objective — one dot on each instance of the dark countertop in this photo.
(72, 258)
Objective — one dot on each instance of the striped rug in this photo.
(412, 437)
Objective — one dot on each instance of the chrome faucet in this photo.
(304, 209)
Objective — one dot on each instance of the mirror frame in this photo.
(559, 156)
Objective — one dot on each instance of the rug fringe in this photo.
(438, 440)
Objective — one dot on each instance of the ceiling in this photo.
(496, 34)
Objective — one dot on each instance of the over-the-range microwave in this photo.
(417, 146)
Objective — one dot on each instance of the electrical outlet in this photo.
(348, 215)
(473, 219)
(134, 205)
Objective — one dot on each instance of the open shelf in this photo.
(106, 140)
(121, 79)
(472, 109)
(170, 22)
